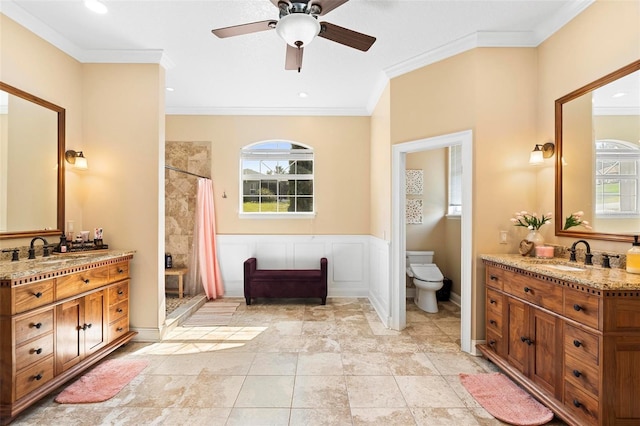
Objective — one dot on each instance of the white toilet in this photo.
(426, 277)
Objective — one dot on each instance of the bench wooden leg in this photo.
(324, 301)
(248, 300)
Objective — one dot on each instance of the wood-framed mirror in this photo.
(597, 130)
(32, 147)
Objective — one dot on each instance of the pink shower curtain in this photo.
(204, 267)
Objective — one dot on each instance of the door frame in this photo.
(398, 228)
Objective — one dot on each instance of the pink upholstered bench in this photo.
(284, 283)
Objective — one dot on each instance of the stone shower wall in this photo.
(180, 198)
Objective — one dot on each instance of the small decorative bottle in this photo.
(633, 257)
(168, 261)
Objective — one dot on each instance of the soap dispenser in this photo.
(633, 257)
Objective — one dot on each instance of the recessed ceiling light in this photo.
(303, 94)
(170, 89)
(96, 6)
(619, 95)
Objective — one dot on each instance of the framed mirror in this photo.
(598, 156)
(32, 146)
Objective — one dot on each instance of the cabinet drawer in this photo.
(33, 296)
(582, 307)
(118, 310)
(537, 292)
(34, 326)
(494, 342)
(581, 345)
(494, 302)
(34, 351)
(494, 322)
(118, 271)
(34, 377)
(582, 405)
(118, 293)
(80, 282)
(583, 375)
(118, 328)
(494, 277)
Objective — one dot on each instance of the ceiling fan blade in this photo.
(345, 36)
(293, 59)
(327, 5)
(252, 27)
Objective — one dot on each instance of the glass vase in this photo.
(536, 238)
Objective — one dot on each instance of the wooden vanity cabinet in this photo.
(575, 348)
(55, 325)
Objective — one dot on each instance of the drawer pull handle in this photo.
(492, 301)
(120, 270)
(120, 292)
(492, 342)
(36, 351)
(38, 295)
(577, 307)
(37, 377)
(119, 329)
(493, 278)
(577, 403)
(577, 343)
(85, 280)
(577, 373)
(119, 310)
(37, 325)
(527, 289)
(493, 322)
(86, 326)
(526, 340)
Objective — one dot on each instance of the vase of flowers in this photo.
(533, 223)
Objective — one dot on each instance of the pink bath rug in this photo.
(504, 400)
(102, 382)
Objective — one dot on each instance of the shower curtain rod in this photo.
(175, 169)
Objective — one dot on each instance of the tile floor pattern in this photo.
(294, 363)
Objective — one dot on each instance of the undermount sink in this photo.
(564, 268)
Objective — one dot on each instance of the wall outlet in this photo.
(503, 237)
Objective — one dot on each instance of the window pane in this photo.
(283, 204)
(304, 204)
(268, 187)
(268, 204)
(250, 204)
(304, 187)
(251, 187)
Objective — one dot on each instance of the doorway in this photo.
(398, 228)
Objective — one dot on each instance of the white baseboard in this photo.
(474, 350)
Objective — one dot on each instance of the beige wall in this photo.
(602, 39)
(341, 154)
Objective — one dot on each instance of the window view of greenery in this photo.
(277, 177)
(616, 178)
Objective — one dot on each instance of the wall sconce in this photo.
(76, 158)
(540, 152)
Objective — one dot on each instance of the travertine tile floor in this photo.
(294, 362)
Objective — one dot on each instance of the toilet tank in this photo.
(419, 257)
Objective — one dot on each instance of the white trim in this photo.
(398, 230)
(267, 215)
(297, 111)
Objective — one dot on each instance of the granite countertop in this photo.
(590, 276)
(22, 268)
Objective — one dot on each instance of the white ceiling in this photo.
(246, 75)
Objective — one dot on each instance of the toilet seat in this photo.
(428, 272)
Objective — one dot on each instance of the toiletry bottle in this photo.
(168, 261)
(62, 247)
(633, 257)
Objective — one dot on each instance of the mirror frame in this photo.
(559, 222)
(60, 112)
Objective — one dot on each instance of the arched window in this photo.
(616, 178)
(277, 178)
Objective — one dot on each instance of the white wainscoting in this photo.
(358, 264)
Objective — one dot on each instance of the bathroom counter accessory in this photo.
(59, 316)
(567, 335)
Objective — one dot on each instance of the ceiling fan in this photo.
(298, 26)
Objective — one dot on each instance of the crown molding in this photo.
(349, 112)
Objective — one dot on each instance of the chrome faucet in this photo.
(587, 256)
(32, 250)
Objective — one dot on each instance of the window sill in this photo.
(453, 216)
(277, 215)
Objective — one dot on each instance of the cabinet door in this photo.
(518, 334)
(94, 327)
(69, 343)
(546, 360)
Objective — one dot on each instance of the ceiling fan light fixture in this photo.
(298, 29)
